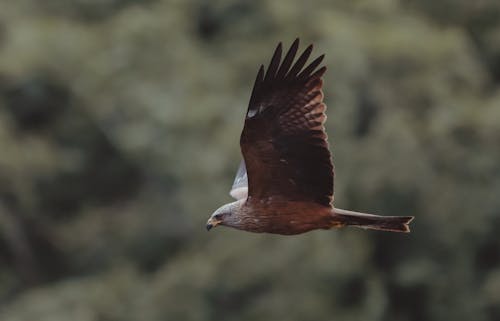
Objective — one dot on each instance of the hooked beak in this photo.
(212, 222)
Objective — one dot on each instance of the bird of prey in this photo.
(284, 184)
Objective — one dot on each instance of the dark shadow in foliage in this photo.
(352, 291)
(227, 303)
(408, 302)
(493, 312)
(104, 177)
(367, 110)
(101, 174)
(487, 255)
(27, 246)
(36, 102)
(152, 252)
(212, 20)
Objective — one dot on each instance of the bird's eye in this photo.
(218, 217)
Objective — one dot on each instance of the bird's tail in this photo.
(370, 221)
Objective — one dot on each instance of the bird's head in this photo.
(224, 215)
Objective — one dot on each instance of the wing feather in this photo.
(239, 190)
(274, 64)
(287, 62)
(300, 62)
(307, 71)
(283, 142)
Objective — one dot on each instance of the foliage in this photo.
(119, 127)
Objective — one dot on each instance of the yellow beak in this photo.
(212, 222)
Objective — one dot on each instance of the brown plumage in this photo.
(285, 183)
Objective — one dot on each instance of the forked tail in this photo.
(374, 222)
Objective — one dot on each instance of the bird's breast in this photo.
(278, 216)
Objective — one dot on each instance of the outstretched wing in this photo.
(283, 142)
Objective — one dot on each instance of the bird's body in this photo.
(279, 216)
(285, 183)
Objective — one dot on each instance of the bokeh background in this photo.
(119, 129)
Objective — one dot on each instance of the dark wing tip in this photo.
(260, 74)
(318, 73)
(306, 73)
(299, 64)
(287, 62)
(286, 72)
(275, 62)
(258, 80)
(279, 70)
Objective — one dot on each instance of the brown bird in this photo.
(284, 185)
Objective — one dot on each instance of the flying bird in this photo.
(284, 184)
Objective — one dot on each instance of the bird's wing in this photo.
(283, 142)
(239, 190)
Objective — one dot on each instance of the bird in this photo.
(285, 181)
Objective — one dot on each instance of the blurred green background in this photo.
(119, 130)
